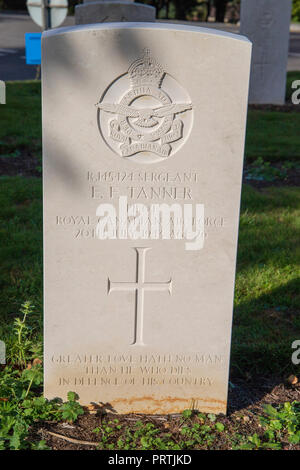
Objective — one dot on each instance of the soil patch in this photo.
(246, 402)
(24, 164)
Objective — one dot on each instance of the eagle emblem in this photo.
(145, 120)
(145, 117)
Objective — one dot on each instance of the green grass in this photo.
(270, 135)
(266, 313)
(273, 136)
(20, 249)
(267, 297)
(266, 319)
(21, 118)
(291, 77)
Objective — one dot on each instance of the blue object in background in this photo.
(33, 48)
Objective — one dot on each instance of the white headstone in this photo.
(141, 121)
(2, 352)
(267, 24)
(108, 11)
(2, 92)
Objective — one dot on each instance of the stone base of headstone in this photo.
(266, 23)
(113, 11)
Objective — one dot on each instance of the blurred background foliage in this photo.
(174, 9)
(296, 10)
(192, 10)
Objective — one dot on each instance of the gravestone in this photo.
(2, 352)
(143, 156)
(108, 11)
(2, 92)
(267, 24)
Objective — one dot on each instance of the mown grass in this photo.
(267, 296)
(266, 314)
(273, 136)
(266, 301)
(20, 118)
(266, 319)
(270, 135)
(291, 77)
(20, 250)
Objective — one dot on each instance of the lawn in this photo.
(21, 118)
(266, 309)
(273, 136)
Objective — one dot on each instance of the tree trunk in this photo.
(180, 9)
(220, 10)
(208, 5)
(167, 8)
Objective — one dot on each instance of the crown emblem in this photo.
(146, 71)
(133, 124)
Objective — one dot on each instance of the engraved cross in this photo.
(139, 287)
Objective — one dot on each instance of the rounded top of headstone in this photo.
(180, 28)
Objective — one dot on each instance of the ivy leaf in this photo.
(187, 414)
(72, 396)
(211, 417)
(220, 427)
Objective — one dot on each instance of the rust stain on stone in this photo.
(168, 399)
(169, 404)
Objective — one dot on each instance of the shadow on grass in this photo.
(269, 236)
(264, 329)
(266, 318)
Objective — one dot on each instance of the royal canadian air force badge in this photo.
(149, 121)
